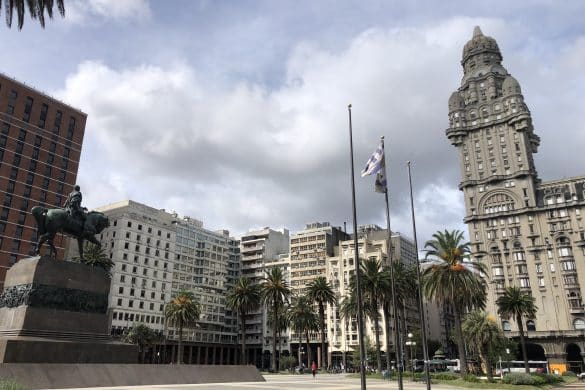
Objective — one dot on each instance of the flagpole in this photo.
(420, 297)
(392, 284)
(357, 266)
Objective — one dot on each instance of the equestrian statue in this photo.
(72, 220)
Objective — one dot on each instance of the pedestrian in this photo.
(314, 369)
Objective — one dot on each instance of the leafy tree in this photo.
(244, 298)
(95, 256)
(142, 336)
(483, 334)
(303, 320)
(36, 10)
(514, 303)
(275, 292)
(182, 311)
(321, 292)
(454, 282)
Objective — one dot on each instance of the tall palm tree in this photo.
(481, 331)
(514, 303)
(321, 292)
(375, 281)
(36, 9)
(405, 287)
(303, 320)
(244, 298)
(282, 323)
(453, 281)
(182, 311)
(275, 292)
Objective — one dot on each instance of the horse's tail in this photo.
(40, 214)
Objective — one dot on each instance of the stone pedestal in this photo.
(55, 312)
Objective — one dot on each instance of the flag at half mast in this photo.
(377, 165)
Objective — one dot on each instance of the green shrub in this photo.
(445, 376)
(521, 378)
(550, 378)
(10, 384)
(570, 374)
(471, 378)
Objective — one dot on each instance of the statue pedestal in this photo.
(56, 312)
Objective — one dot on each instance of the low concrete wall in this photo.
(61, 376)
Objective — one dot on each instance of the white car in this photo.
(581, 376)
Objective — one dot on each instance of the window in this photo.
(530, 325)
(540, 281)
(579, 324)
(43, 116)
(506, 326)
(524, 282)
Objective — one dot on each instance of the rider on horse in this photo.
(73, 204)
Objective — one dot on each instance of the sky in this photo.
(235, 112)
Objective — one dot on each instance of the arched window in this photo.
(506, 326)
(498, 203)
(530, 325)
(579, 323)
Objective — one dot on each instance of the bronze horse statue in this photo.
(52, 221)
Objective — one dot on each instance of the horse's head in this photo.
(98, 220)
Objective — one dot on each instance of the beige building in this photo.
(372, 243)
(528, 232)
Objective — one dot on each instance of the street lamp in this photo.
(411, 343)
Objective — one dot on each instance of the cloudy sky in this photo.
(235, 112)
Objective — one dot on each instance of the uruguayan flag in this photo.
(374, 164)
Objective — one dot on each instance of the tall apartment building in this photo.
(528, 232)
(156, 255)
(309, 250)
(141, 242)
(257, 248)
(40, 146)
(372, 244)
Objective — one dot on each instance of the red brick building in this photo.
(40, 145)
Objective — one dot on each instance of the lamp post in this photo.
(411, 344)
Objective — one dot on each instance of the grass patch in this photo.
(10, 384)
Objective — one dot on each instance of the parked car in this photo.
(581, 376)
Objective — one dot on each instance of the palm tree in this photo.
(405, 287)
(282, 323)
(303, 320)
(375, 281)
(95, 256)
(481, 331)
(320, 291)
(182, 311)
(142, 336)
(453, 281)
(275, 292)
(244, 298)
(514, 303)
(36, 9)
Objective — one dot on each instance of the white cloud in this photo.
(248, 155)
(87, 11)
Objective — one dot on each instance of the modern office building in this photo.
(257, 248)
(530, 233)
(156, 255)
(40, 146)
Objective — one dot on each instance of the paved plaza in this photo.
(290, 382)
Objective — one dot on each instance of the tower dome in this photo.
(480, 43)
(510, 86)
(455, 102)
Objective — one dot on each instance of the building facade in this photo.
(257, 248)
(343, 332)
(528, 232)
(156, 255)
(40, 146)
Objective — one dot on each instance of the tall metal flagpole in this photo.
(357, 266)
(392, 284)
(420, 298)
